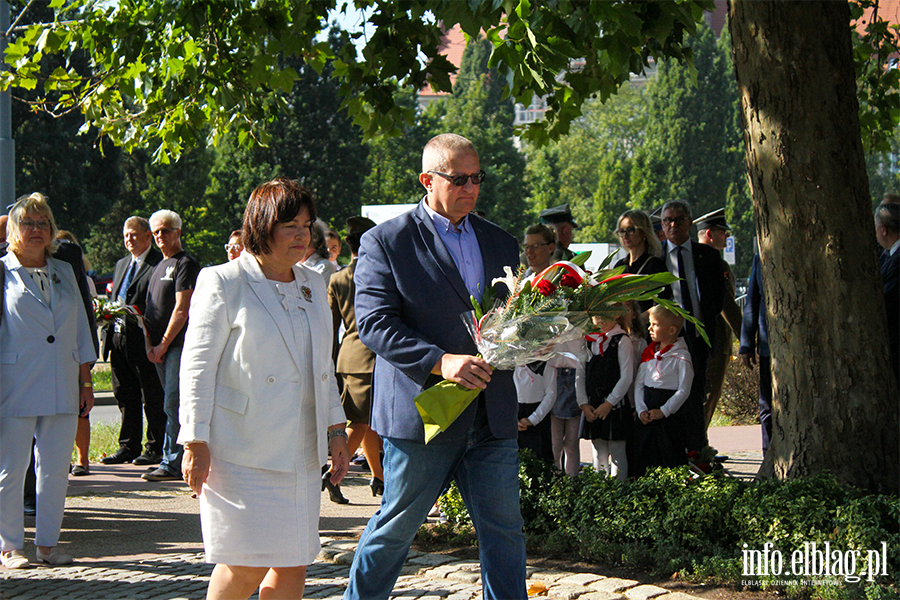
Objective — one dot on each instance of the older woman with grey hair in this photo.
(46, 353)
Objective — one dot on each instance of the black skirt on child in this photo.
(602, 374)
(537, 438)
(658, 443)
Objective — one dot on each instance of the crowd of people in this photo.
(252, 373)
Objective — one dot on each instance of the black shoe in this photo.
(80, 471)
(148, 458)
(120, 456)
(377, 486)
(30, 510)
(160, 474)
(334, 491)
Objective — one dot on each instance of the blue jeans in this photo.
(486, 470)
(168, 376)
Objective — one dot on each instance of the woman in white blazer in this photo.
(46, 355)
(259, 407)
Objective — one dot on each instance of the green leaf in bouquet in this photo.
(478, 312)
(582, 257)
(686, 316)
(606, 262)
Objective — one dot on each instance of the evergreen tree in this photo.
(693, 147)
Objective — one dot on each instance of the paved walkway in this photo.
(134, 539)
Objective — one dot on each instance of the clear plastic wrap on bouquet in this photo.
(507, 343)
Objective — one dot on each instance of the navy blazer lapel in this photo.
(439, 252)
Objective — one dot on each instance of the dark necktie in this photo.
(686, 303)
(129, 275)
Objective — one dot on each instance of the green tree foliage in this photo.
(693, 146)
(313, 141)
(690, 126)
(79, 177)
(479, 113)
(395, 161)
(169, 75)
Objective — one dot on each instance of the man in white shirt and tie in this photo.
(134, 377)
(701, 292)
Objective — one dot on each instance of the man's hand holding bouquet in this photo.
(540, 313)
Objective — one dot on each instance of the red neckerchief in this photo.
(597, 337)
(650, 352)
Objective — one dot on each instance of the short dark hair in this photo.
(276, 201)
(679, 205)
(548, 233)
(888, 216)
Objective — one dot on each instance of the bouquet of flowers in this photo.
(106, 311)
(540, 314)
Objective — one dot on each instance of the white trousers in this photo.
(610, 457)
(54, 436)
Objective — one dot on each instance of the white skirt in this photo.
(260, 518)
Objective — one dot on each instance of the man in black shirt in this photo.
(168, 300)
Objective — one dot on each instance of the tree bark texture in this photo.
(835, 402)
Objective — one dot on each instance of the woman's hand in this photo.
(195, 465)
(524, 424)
(85, 401)
(340, 457)
(85, 390)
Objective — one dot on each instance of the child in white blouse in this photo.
(606, 410)
(536, 391)
(662, 385)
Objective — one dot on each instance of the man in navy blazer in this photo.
(701, 293)
(755, 342)
(413, 281)
(887, 232)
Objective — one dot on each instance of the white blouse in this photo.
(668, 369)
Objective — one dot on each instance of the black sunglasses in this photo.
(460, 180)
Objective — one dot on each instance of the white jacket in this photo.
(240, 380)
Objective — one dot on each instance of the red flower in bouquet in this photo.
(570, 280)
(545, 287)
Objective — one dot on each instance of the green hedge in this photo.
(669, 522)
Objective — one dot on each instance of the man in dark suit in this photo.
(413, 280)
(713, 231)
(134, 378)
(887, 231)
(701, 292)
(755, 343)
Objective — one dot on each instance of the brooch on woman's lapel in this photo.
(55, 278)
(307, 293)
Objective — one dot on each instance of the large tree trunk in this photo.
(836, 402)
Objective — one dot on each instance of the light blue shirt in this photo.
(462, 244)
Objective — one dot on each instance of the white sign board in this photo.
(730, 250)
(598, 253)
(383, 212)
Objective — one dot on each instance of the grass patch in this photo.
(104, 441)
(101, 375)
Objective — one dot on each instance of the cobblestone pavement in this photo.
(185, 577)
(134, 540)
